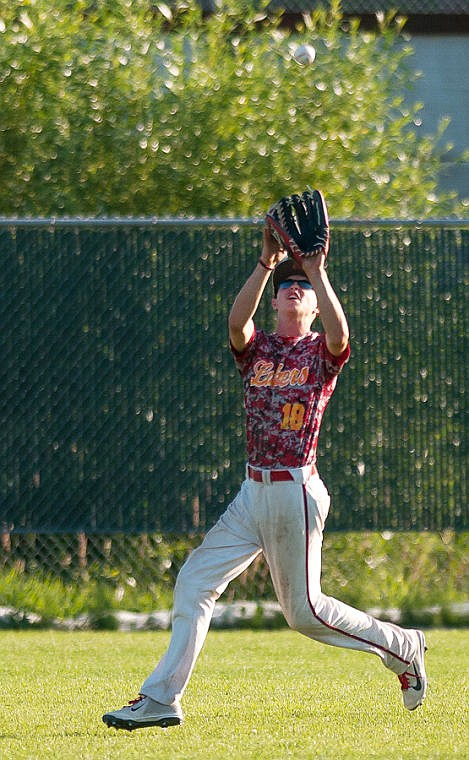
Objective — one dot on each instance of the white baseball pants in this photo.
(285, 521)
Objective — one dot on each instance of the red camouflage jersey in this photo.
(287, 385)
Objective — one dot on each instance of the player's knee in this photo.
(191, 590)
(186, 583)
(298, 617)
(302, 617)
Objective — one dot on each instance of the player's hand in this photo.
(272, 252)
(314, 266)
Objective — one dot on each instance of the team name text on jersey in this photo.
(266, 376)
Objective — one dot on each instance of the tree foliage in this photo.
(130, 108)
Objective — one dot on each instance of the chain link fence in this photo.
(122, 415)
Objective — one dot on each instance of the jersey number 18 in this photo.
(293, 416)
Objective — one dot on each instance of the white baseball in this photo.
(304, 55)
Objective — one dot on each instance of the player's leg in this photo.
(295, 565)
(228, 549)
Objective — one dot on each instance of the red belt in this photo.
(276, 476)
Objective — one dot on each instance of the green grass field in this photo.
(262, 695)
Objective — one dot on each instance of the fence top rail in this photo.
(226, 222)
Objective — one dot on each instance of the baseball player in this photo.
(288, 378)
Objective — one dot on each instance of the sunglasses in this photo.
(303, 284)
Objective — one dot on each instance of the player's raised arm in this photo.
(331, 313)
(302, 224)
(240, 323)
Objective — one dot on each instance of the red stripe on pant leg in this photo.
(323, 622)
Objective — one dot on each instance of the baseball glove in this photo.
(300, 224)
